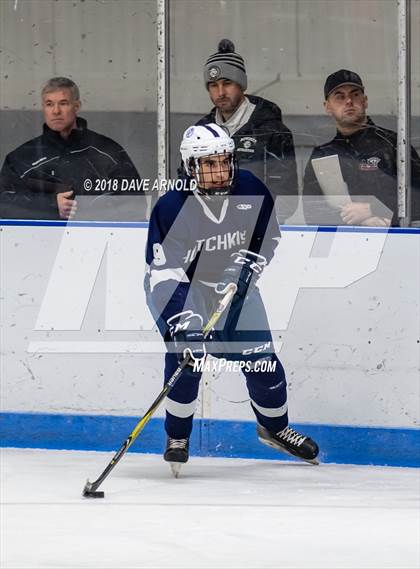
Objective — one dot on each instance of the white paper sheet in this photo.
(328, 173)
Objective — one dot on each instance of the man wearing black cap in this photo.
(361, 171)
(263, 143)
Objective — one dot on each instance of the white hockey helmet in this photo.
(207, 140)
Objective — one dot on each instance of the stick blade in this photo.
(89, 492)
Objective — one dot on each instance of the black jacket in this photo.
(368, 161)
(88, 163)
(264, 145)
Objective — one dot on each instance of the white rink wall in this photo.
(77, 337)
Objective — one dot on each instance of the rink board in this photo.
(81, 359)
(338, 444)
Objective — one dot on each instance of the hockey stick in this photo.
(90, 489)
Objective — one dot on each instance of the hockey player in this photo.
(200, 241)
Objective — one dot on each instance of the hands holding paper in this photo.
(360, 213)
(355, 213)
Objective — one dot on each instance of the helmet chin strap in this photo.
(214, 192)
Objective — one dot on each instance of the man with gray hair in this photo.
(263, 143)
(43, 178)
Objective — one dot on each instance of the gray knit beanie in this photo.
(225, 64)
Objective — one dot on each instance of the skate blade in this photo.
(175, 468)
(280, 448)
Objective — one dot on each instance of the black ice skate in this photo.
(176, 454)
(290, 441)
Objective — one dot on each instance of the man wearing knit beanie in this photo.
(263, 143)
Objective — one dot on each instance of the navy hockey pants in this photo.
(242, 335)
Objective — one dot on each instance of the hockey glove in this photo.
(185, 330)
(244, 271)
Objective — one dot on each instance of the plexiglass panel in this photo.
(415, 110)
(289, 49)
(109, 50)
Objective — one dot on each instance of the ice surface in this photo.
(220, 513)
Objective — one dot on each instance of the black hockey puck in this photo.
(91, 494)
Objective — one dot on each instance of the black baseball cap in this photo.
(342, 77)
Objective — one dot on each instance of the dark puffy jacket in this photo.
(264, 145)
(368, 161)
(35, 172)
